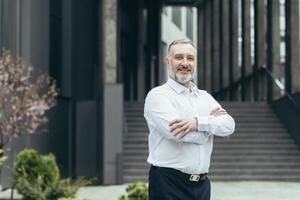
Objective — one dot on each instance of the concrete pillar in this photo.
(113, 133)
(224, 43)
(246, 49)
(153, 39)
(207, 39)
(109, 13)
(140, 54)
(273, 47)
(113, 95)
(234, 72)
(67, 32)
(292, 46)
(1, 23)
(260, 46)
(215, 45)
(200, 47)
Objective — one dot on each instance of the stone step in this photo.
(278, 133)
(238, 165)
(229, 103)
(229, 146)
(232, 112)
(229, 158)
(233, 140)
(247, 123)
(260, 148)
(245, 128)
(246, 152)
(228, 106)
(232, 171)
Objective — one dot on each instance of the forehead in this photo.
(183, 49)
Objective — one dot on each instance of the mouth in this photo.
(183, 71)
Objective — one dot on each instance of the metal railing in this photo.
(281, 87)
(235, 85)
(261, 71)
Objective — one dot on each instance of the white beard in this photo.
(182, 79)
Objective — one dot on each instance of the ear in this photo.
(167, 62)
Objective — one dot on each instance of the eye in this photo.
(190, 58)
(178, 57)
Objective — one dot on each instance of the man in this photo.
(182, 120)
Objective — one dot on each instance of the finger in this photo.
(181, 135)
(214, 110)
(174, 121)
(176, 132)
(177, 125)
(187, 131)
(220, 113)
(179, 130)
(223, 110)
(174, 127)
(184, 128)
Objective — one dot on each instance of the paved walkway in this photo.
(220, 191)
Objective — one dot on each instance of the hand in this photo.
(218, 112)
(180, 127)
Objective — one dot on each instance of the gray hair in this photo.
(180, 41)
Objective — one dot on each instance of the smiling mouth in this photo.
(184, 70)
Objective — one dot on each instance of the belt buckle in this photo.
(194, 178)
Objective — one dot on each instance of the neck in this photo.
(187, 84)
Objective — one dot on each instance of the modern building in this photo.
(106, 53)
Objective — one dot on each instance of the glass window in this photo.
(163, 67)
(2, 28)
(176, 16)
(165, 10)
(189, 23)
(9, 25)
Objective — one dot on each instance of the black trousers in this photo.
(171, 184)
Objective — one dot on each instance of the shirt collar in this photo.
(180, 88)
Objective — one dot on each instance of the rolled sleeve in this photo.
(223, 125)
(203, 123)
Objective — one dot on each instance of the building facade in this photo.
(106, 52)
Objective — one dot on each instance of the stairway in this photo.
(260, 148)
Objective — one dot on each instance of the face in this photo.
(181, 63)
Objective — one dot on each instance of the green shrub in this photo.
(136, 191)
(37, 177)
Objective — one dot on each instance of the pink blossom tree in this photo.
(25, 96)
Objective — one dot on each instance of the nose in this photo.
(185, 62)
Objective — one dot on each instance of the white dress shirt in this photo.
(190, 154)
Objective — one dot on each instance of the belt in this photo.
(185, 176)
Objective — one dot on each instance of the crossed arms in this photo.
(162, 116)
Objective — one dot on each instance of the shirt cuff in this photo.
(203, 123)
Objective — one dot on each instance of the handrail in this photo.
(250, 76)
(237, 83)
(281, 87)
